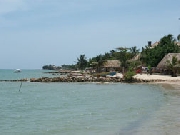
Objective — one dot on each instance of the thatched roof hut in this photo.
(136, 57)
(178, 43)
(164, 62)
(110, 65)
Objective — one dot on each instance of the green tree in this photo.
(172, 66)
(178, 37)
(100, 61)
(128, 76)
(152, 56)
(97, 62)
(82, 62)
(49, 67)
(134, 51)
(124, 55)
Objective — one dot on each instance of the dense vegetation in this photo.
(50, 67)
(150, 56)
(122, 54)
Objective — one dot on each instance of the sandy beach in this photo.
(166, 81)
(160, 78)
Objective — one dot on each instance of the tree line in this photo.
(149, 55)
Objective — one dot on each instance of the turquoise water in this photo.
(85, 108)
(26, 73)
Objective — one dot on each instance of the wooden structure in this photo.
(164, 63)
(112, 65)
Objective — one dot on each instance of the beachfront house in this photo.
(164, 64)
(111, 65)
(157, 42)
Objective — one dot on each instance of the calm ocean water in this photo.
(10, 75)
(85, 108)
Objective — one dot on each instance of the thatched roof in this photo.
(154, 45)
(163, 63)
(136, 57)
(112, 64)
(178, 43)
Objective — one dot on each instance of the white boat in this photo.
(17, 71)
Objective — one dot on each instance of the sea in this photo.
(85, 108)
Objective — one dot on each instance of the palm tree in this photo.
(112, 53)
(82, 62)
(172, 66)
(178, 37)
(100, 62)
(134, 51)
(123, 57)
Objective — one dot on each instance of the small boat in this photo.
(17, 71)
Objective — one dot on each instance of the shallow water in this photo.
(87, 108)
(9, 74)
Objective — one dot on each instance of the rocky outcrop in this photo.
(76, 79)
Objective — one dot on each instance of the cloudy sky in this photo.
(38, 32)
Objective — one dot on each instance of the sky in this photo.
(34, 33)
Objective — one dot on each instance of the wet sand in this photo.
(166, 120)
(166, 81)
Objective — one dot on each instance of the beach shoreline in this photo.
(166, 81)
(156, 78)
